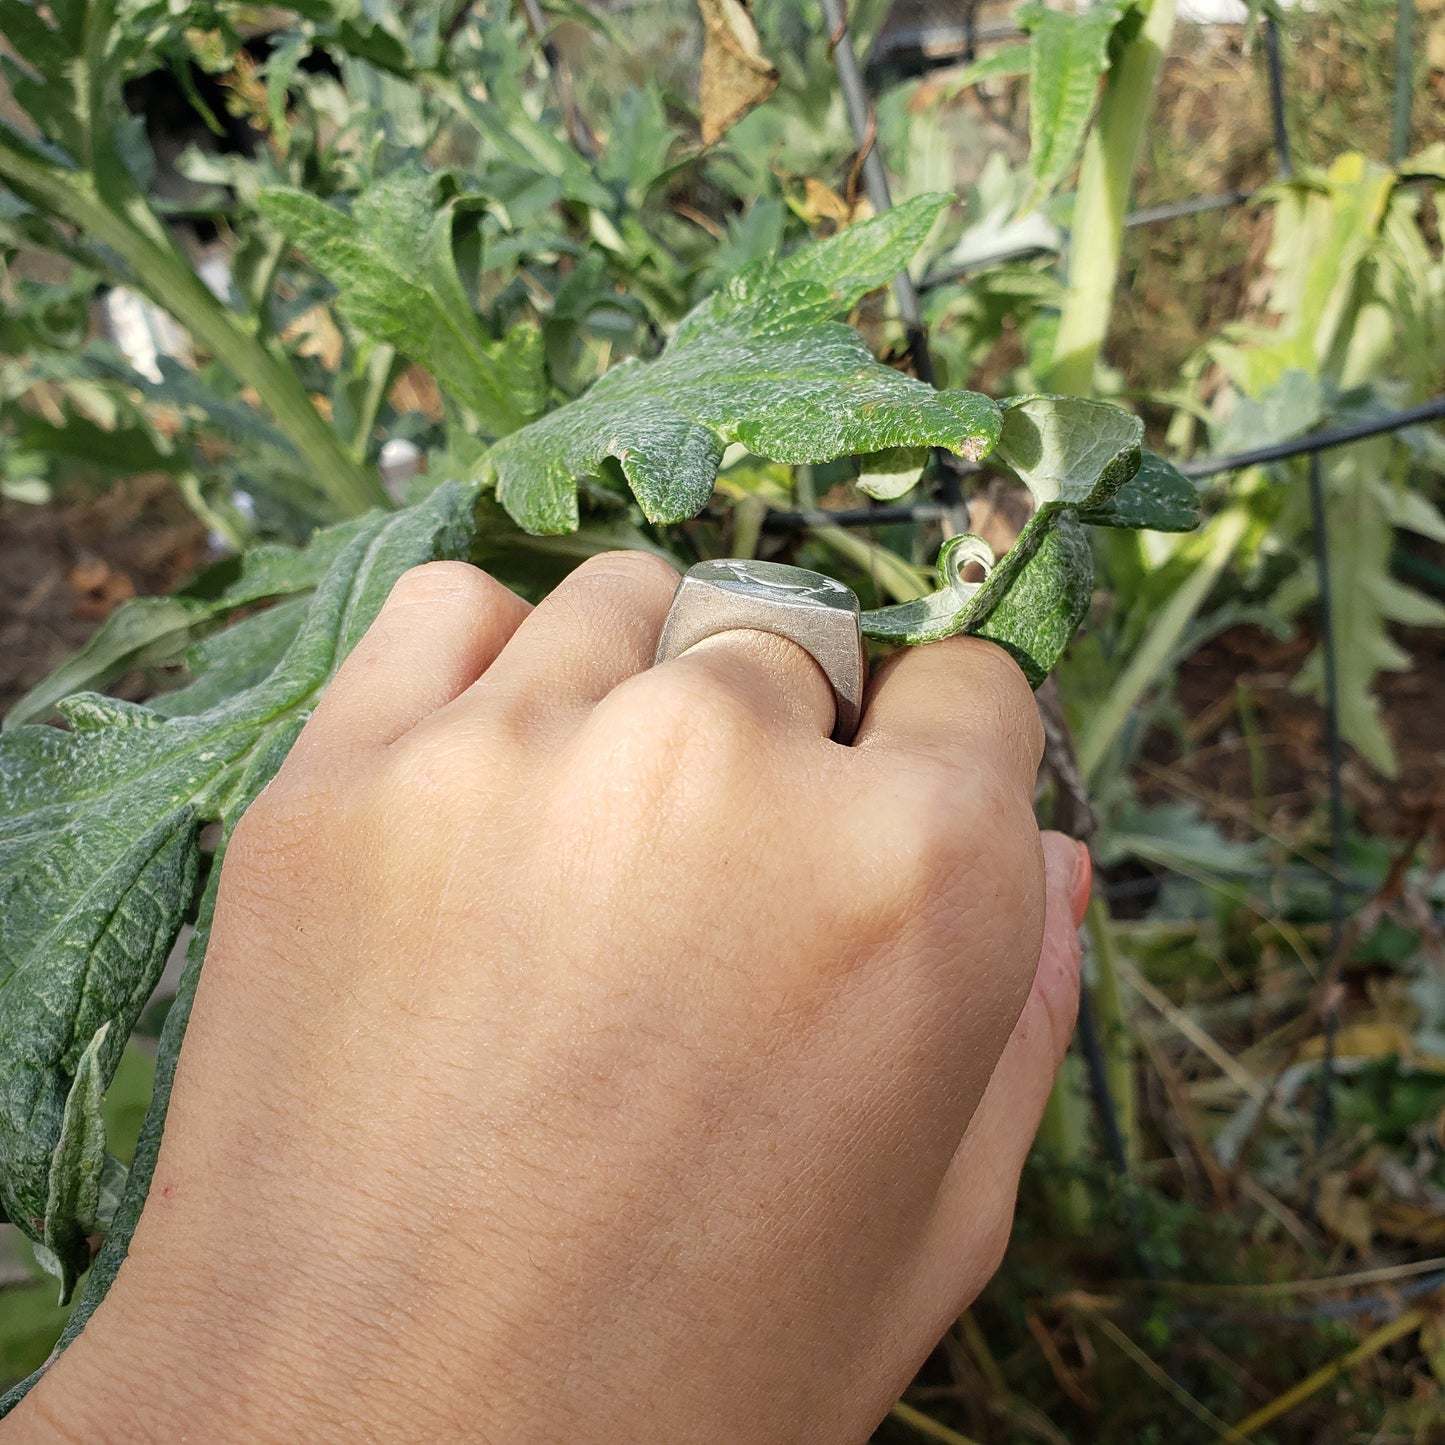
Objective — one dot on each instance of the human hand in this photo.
(589, 1051)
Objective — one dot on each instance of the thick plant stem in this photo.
(159, 269)
(1063, 1149)
(1105, 179)
(1114, 1035)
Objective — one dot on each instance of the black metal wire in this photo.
(1274, 64)
(864, 126)
(1404, 82)
(1107, 1110)
(1319, 519)
(579, 131)
(1195, 206)
(1148, 216)
(1319, 441)
(854, 517)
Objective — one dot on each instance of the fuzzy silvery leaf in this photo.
(1002, 64)
(1157, 498)
(392, 264)
(93, 888)
(77, 1168)
(1030, 602)
(234, 659)
(98, 854)
(1047, 600)
(759, 363)
(1075, 456)
(145, 632)
(125, 1211)
(860, 258)
(1068, 450)
(886, 475)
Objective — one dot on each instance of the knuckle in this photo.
(420, 774)
(644, 570)
(444, 776)
(930, 816)
(953, 837)
(667, 753)
(680, 712)
(444, 582)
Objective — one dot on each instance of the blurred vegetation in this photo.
(1269, 1264)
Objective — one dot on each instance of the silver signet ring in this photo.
(814, 611)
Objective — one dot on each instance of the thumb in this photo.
(976, 1201)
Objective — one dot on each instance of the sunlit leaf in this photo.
(762, 363)
(1068, 53)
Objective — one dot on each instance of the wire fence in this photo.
(947, 508)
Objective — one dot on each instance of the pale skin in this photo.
(595, 1052)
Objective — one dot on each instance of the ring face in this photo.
(814, 611)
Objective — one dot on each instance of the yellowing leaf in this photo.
(1345, 1215)
(736, 75)
(822, 203)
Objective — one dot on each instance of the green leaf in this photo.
(1038, 616)
(72, 1209)
(154, 631)
(1030, 603)
(142, 1169)
(233, 660)
(98, 854)
(1158, 498)
(123, 449)
(1068, 53)
(91, 898)
(1366, 600)
(759, 363)
(889, 474)
(941, 613)
(1068, 450)
(860, 258)
(393, 265)
(1075, 456)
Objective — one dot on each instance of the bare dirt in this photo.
(67, 566)
(1254, 750)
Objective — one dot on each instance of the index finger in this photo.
(954, 698)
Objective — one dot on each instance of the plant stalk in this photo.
(160, 270)
(1105, 178)
(1114, 1035)
(1063, 1149)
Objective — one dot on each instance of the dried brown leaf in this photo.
(736, 75)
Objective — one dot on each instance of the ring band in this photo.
(814, 611)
